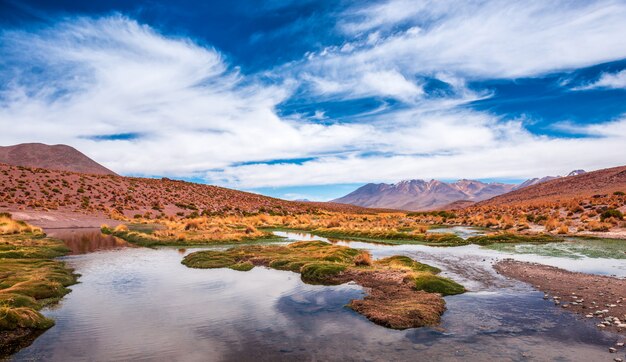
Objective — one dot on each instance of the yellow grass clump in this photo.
(9, 226)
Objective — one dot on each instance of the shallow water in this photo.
(602, 257)
(87, 240)
(138, 303)
(463, 232)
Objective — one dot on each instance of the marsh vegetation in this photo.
(29, 280)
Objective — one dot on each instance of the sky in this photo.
(312, 99)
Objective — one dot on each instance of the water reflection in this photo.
(144, 304)
(83, 241)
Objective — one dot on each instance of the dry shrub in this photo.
(10, 226)
(333, 224)
(522, 225)
(506, 222)
(563, 229)
(193, 224)
(121, 228)
(551, 224)
(491, 222)
(364, 258)
(595, 225)
(116, 215)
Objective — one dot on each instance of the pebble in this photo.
(617, 359)
(619, 344)
(612, 349)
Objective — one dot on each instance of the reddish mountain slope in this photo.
(56, 157)
(418, 195)
(577, 185)
(41, 189)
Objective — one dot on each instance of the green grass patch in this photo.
(148, 240)
(513, 238)
(400, 261)
(30, 279)
(321, 273)
(435, 284)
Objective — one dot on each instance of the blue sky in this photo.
(311, 99)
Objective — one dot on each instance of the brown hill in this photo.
(417, 195)
(41, 189)
(599, 182)
(55, 157)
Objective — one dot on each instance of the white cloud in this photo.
(112, 75)
(607, 80)
(471, 39)
(524, 157)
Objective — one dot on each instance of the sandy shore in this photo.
(601, 298)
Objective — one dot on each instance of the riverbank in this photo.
(29, 280)
(597, 297)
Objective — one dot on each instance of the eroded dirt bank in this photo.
(602, 298)
(392, 301)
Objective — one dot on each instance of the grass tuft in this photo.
(435, 284)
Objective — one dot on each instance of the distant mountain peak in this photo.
(576, 173)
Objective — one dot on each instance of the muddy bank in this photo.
(601, 298)
(14, 340)
(392, 301)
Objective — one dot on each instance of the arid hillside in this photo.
(55, 157)
(24, 188)
(599, 182)
(591, 203)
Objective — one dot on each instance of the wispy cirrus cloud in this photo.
(615, 80)
(84, 80)
(471, 40)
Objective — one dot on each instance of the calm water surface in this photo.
(142, 304)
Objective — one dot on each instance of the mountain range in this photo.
(418, 195)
